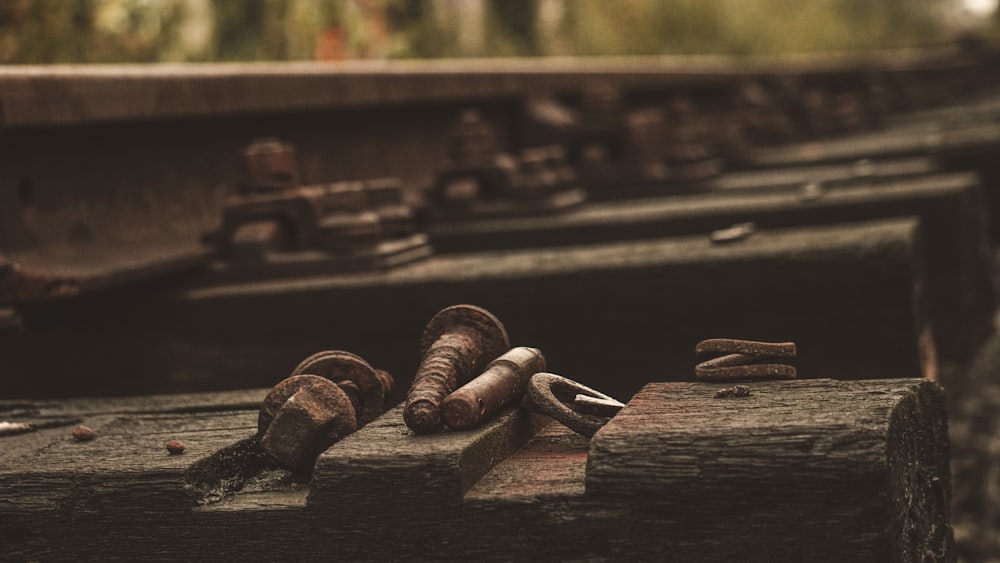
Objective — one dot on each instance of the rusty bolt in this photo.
(84, 434)
(456, 344)
(504, 380)
(175, 447)
(302, 416)
(269, 165)
(329, 395)
(472, 139)
(368, 389)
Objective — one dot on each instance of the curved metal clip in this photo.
(743, 360)
(582, 409)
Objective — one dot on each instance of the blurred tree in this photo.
(516, 20)
(49, 31)
(64, 31)
(249, 30)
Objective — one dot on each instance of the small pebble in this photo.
(734, 391)
(863, 168)
(738, 231)
(175, 447)
(811, 191)
(84, 434)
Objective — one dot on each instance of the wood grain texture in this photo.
(857, 471)
(122, 480)
(819, 470)
(388, 461)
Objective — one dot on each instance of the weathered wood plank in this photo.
(239, 399)
(553, 464)
(386, 493)
(792, 176)
(702, 213)
(387, 461)
(828, 174)
(939, 139)
(850, 295)
(856, 471)
(959, 146)
(955, 246)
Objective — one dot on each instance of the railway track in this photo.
(204, 228)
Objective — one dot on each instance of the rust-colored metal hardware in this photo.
(175, 447)
(369, 389)
(611, 145)
(597, 406)
(302, 416)
(688, 149)
(269, 165)
(734, 391)
(570, 403)
(276, 226)
(455, 344)
(477, 178)
(740, 357)
(307, 413)
(503, 381)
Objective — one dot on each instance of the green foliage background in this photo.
(83, 31)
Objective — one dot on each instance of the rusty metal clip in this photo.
(582, 409)
(743, 360)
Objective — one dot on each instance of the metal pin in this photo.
(739, 358)
(504, 380)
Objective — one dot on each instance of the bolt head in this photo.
(175, 447)
(301, 417)
(495, 339)
(269, 165)
(338, 366)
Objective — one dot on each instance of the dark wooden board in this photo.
(612, 315)
(958, 145)
(834, 174)
(61, 272)
(821, 470)
(121, 482)
(791, 176)
(955, 246)
(855, 471)
(940, 139)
